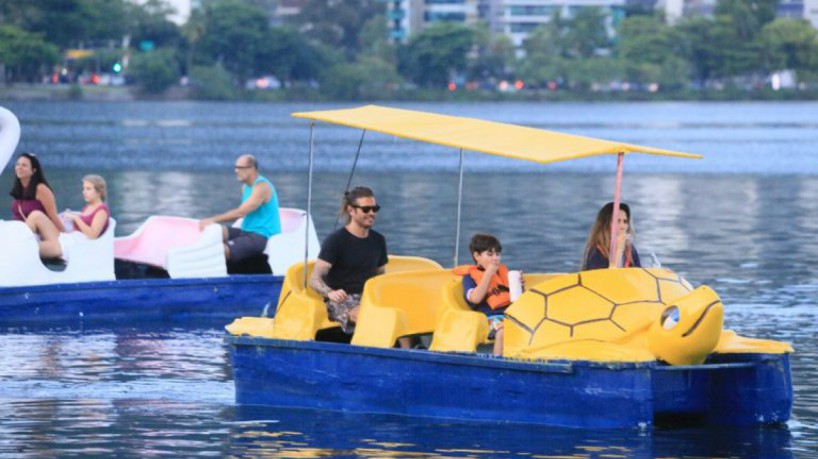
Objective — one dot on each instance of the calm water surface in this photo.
(744, 220)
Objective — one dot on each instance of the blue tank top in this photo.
(265, 220)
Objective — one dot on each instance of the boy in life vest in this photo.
(485, 284)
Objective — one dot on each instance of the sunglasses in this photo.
(368, 209)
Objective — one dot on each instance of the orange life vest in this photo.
(497, 294)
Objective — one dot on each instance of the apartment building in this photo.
(806, 9)
(520, 17)
(514, 18)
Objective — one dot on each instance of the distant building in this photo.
(799, 9)
(677, 9)
(513, 18)
(520, 17)
(811, 12)
(279, 11)
(286, 9)
(406, 17)
(793, 9)
(182, 8)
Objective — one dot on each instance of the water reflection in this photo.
(276, 432)
(151, 392)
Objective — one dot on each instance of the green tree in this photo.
(149, 24)
(192, 31)
(25, 56)
(748, 16)
(369, 78)
(652, 52)
(493, 56)
(790, 44)
(733, 36)
(338, 24)
(700, 48)
(68, 23)
(586, 33)
(374, 40)
(212, 82)
(586, 74)
(557, 51)
(437, 54)
(286, 54)
(234, 36)
(736, 55)
(155, 71)
(545, 51)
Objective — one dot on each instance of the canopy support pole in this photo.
(459, 205)
(309, 203)
(355, 162)
(352, 172)
(613, 259)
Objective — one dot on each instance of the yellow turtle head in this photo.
(688, 329)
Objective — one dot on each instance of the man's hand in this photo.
(337, 296)
(203, 223)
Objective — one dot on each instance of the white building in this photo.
(181, 8)
(520, 17)
(811, 12)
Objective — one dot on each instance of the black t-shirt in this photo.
(353, 259)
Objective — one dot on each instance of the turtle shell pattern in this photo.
(605, 305)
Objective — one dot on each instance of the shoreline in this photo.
(91, 93)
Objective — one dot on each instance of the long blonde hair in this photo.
(99, 185)
(600, 234)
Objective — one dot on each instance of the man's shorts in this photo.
(339, 312)
(244, 244)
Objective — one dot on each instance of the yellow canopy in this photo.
(499, 139)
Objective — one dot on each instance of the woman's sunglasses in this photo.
(368, 209)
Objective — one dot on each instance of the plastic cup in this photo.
(515, 284)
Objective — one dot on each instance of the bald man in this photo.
(259, 207)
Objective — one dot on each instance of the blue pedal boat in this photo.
(167, 270)
(611, 348)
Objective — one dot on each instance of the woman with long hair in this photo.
(31, 191)
(598, 246)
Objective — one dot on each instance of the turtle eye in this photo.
(670, 318)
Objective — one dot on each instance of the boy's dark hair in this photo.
(482, 242)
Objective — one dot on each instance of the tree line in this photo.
(341, 50)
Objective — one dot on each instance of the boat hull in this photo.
(132, 301)
(467, 387)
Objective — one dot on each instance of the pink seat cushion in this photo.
(158, 235)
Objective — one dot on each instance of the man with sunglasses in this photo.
(349, 257)
(259, 208)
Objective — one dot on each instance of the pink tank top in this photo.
(88, 219)
(22, 208)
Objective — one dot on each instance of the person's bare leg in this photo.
(224, 240)
(50, 249)
(498, 341)
(49, 234)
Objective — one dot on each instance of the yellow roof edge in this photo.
(465, 133)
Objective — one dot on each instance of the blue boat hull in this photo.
(572, 394)
(133, 301)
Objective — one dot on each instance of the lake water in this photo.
(743, 220)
